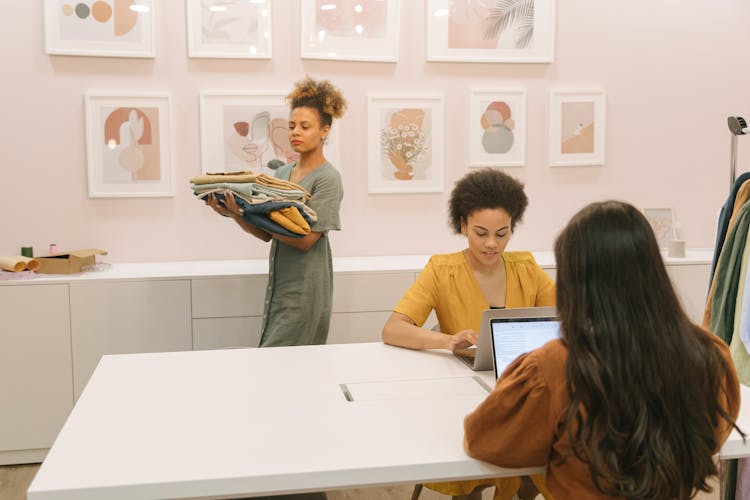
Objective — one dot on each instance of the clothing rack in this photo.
(737, 126)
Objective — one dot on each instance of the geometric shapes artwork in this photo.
(108, 28)
(243, 131)
(577, 123)
(497, 128)
(350, 30)
(405, 144)
(128, 145)
(229, 28)
(517, 31)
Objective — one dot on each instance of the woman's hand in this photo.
(462, 340)
(230, 208)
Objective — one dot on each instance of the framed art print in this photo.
(243, 131)
(663, 223)
(497, 128)
(577, 123)
(229, 28)
(107, 28)
(348, 30)
(405, 144)
(128, 145)
(515, 31)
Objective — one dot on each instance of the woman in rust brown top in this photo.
(634, 399)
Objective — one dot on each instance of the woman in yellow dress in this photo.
(485, 206)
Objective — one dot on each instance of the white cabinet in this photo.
(36, 382)
(126, 317)
(691, 284)
(227, 312)
(362, 302)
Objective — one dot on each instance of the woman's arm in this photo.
(400, 330)
(231, 209)
(304, 243)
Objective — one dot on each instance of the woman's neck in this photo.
(484, 269)
(311, 159)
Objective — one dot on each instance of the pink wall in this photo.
(673, 71)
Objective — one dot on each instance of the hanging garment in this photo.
(727, 277)
(724, 216)
(742, 196)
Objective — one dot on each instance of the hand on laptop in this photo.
(462, 339)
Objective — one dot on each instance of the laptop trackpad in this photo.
(414, 389)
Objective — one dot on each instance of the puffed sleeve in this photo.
(511, 428)
(327, 193)
(546, 294)
(421, 297)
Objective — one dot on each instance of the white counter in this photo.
(259, 267)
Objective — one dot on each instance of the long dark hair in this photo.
(644, 381)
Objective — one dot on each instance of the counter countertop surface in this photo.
(259, 267)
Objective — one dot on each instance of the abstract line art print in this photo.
(128, 145)
(108, 28)
(497, 127)
(229, 28)
(245, 132)
(577, 124)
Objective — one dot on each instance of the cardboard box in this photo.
(68, 262)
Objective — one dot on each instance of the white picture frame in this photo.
(244, 131)
(405, 142)
(477, 31)
(497, 127)
(663, 223)
(577, 127)
(104, 28)
(367, 30)
(128, 145)
(229, 29)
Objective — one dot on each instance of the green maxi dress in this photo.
(297, 310)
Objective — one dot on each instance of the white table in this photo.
(272, 421)
(265, 421)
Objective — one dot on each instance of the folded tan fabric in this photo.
(264, 179)
(295, 223)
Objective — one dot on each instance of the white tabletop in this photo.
(265, 421)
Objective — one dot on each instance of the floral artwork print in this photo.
(404, 144)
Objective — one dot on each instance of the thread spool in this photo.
(27, 252)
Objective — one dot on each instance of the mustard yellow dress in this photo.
(448, 286)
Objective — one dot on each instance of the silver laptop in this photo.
(525, 330)
(479, 357)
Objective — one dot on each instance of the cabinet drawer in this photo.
(357, 327)
(361, 292)
(222, 333)
(228, 297)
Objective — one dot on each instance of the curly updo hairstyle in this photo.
(486, 188)
(320, 95)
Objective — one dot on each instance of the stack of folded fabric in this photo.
(275, 205)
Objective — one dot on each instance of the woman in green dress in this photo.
(297, 309)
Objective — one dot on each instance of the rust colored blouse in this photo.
(515, 425)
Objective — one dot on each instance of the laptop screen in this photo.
(512, 337)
